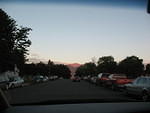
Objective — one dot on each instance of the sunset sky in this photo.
(76, 32)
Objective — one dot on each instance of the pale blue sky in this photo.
(76, 32)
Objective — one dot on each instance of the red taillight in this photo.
(123, 81)
(104, 78)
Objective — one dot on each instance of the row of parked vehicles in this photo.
(17, 81)
(12, 82)
(40, 78)
(139, 86)
(75, 79)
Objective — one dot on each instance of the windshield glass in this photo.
(58, 50)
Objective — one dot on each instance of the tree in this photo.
(132, 66)
(147, 71)
(42, 69)
(90, 68)
(105, 59)
(50, 66)
(61, 70)
(80, 71)
(106, 64)
(13, 43)
(30, 69)
(86, 69)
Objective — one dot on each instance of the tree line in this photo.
(132, 66)
(49, 69)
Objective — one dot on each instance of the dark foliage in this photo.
(132, 66)
(107, 64)
(13, 43)
(49, 69)
(147, 71)
(86, 69)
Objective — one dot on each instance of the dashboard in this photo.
(130, 107)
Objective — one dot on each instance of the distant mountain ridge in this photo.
(73, 67)
(74, 64)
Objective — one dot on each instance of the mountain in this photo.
(73, 67)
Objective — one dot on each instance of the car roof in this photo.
(147, 77)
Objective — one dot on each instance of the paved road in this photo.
(62, 90)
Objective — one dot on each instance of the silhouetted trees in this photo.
(86, 69)
(147, 71)
(106, 64)
(30, 69)
(131, 66)
(61, 70)
(13, 43)
(49, 69)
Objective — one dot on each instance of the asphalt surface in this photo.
(63, 90)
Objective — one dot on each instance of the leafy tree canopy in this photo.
(147, 71)
(106, 64)
(132, 66)
(14, 43)
(86, 69)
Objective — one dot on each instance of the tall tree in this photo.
(147, 71)
(42, 69)
(132, 66)
(106, 64)
(13, 43)
(50, 66)
(81, 71)
(86, 69)
(61, 70)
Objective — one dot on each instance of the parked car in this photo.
(45, 78)
(15, 82)
(38, 79)
(89, 78)
(93, 79)
(4, 81)
(117, 81)
(4, 85)
(75, 79)
(54, 77)
(102, 77)
(85, 78)
(140, 87)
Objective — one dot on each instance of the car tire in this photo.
(145, 97)
(12, 86)
(126, 92)
(7, 87)
(113, 87)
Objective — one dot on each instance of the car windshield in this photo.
(55, 51)
(17, 78)
(105, 75)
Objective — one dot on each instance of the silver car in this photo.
(139, 87)
(15, 82)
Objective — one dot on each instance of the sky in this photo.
(76, 32)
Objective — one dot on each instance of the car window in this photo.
(142, 81)
(136, 81)
(145, 80)
(105, 75)
(148, 81)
